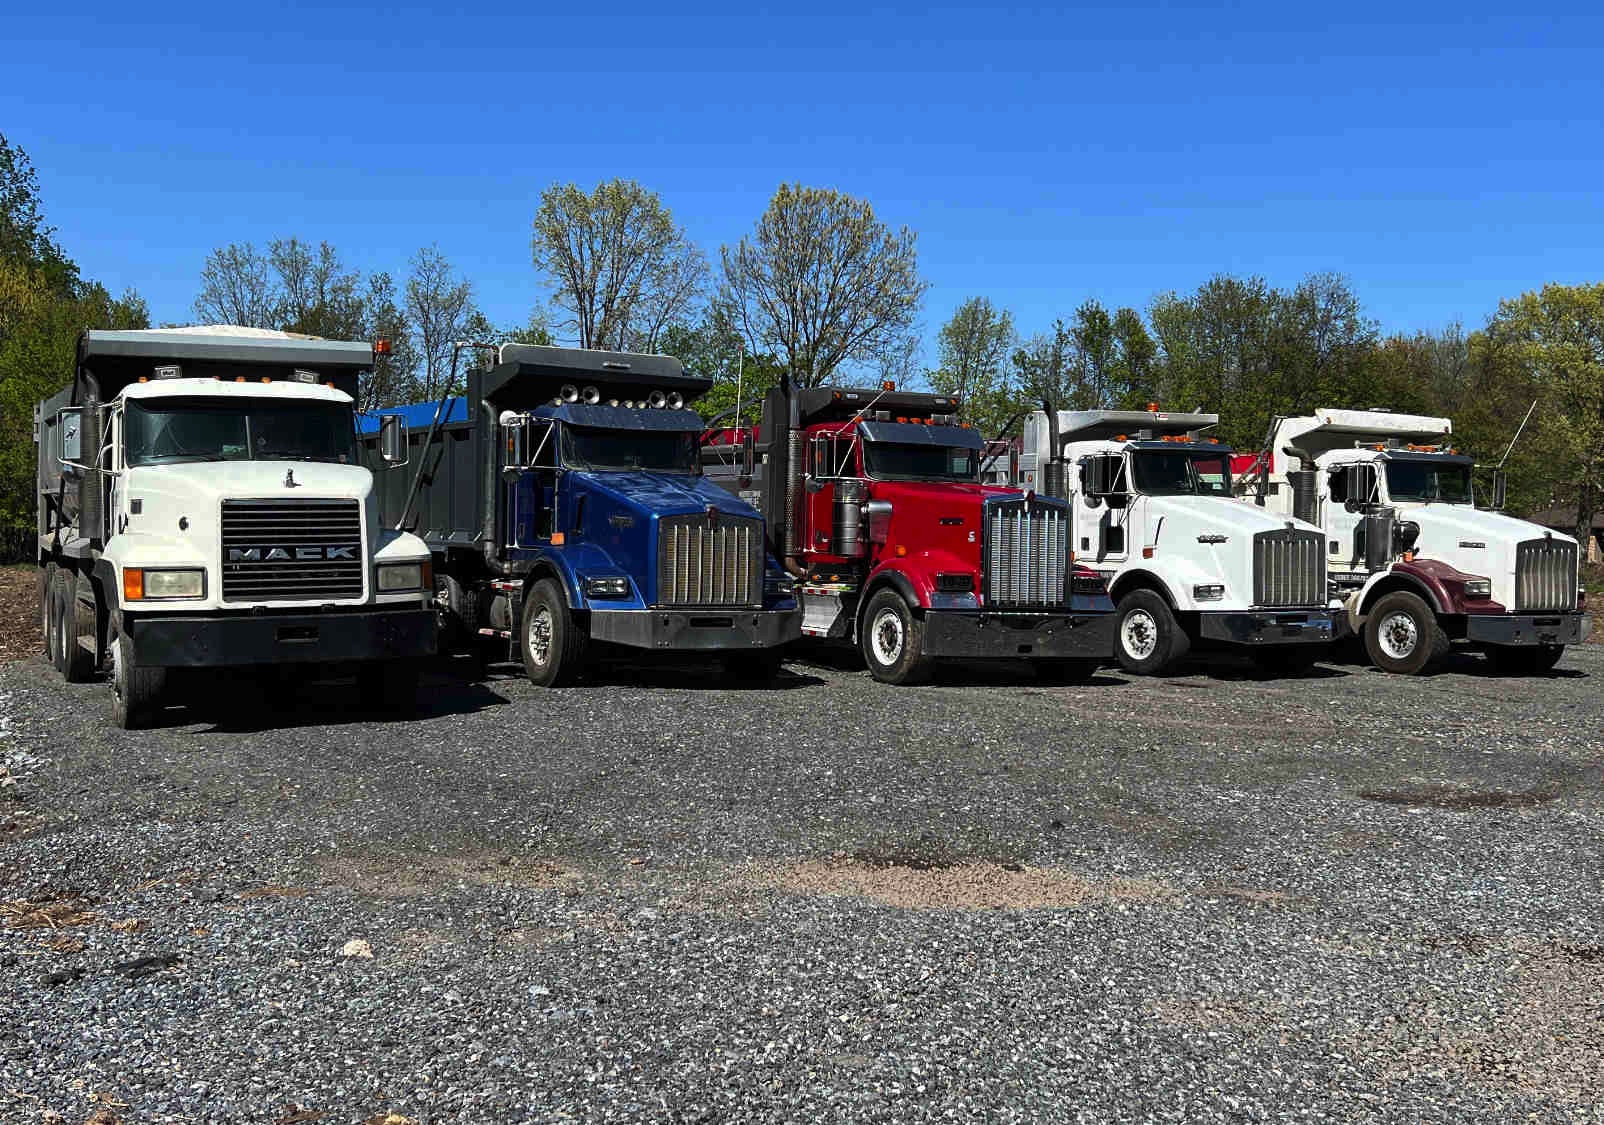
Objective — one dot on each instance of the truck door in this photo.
(1102, 520)
(534, 497)
(818, 494)
(1343, 549)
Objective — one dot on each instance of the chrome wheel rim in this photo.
(1138, 633)
(538, 636)
(1398, 635)
(886, 637)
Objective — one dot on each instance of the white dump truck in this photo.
(201, 505)
(1414, 564)
(1186, 562)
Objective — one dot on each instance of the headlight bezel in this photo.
(608, 587)
(1479, 589)
(421, 577)
(137, 583)
(1208, 592)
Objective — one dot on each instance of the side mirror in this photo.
(1500, 488)
(393, 440)
(71, 423)
(1358, 477)
(748, 455)
(514, 445)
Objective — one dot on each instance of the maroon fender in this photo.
(1446, 586)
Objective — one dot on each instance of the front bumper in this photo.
(696, 630)
(1273, 627)
(202, 641)
(1528, 628)
(1019, 636)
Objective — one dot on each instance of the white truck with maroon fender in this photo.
(1413, 562)
(201, 505)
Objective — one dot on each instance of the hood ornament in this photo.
(289, 479)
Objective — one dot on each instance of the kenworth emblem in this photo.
(290, 554)
(289, 479)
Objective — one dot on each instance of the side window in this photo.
(1337, 485)
(542, 442)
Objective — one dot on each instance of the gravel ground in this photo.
(1214, 896)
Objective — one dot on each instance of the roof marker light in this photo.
(169, 371)
(381, 347)
(304, 376)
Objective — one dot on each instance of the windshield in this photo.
(886, 460)
(1166, 473)
(1422, 480)
(657, 451)
(170, 431)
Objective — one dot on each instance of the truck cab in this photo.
(568, 506)
(1185, 561)
(1415, 565)
(875, 504)
(203, 505)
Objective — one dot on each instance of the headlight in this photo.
(955, 583)
(1479, 588)
(610, 587)
(141, 584)
(1212, 592)
(403, 576)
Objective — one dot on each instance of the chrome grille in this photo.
(1026, 553)
(702, 564)
(292, 550)
(1545, 576)
(1289, 568)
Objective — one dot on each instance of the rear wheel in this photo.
(135, 691)
(1065, 671)
(1402, 634)
(388, 685)
(81, 629)
(893, 640)
(552, 643)
(456, 613)
(1148, 639)
(1524, 660)
(47, 586)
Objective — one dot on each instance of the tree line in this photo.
(822, 290)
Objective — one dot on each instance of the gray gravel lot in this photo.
(1214, 896)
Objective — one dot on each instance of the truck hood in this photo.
(215, 480)
(1219, 515)
(1444, 526)
(666, 494)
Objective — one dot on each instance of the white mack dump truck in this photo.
(201, 505)
(1413, 562)
(1154, 513)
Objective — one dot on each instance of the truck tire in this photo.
(1402, 634)
(80, 631)
(753, 667)
(456, 612)
(1065, 671)
(551, 642)
(1147, 638)
(893, 640)
(63, 626)
(1524, 660)
(135, 691)
(388, 685)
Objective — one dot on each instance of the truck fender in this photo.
(555, 566)
(1384, 582)
(879, 581)
(1140, 580)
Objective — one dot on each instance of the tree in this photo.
(237, 288)
(1092, 370)
(391, 380)
(316, 295)
(714, 348)
(973, 347)
(1044, 368)
(1136, 352)
(25, 238)
(1555, 339)
(618, 264)
(822, 282)
(438, 304)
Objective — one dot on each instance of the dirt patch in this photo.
(1543, 1039)
(406, 876)
(1442, 796)
(961, 886)
(19, 612)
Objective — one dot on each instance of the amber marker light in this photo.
(133, 584)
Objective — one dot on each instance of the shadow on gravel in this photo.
(1461, 798)
(246, 707)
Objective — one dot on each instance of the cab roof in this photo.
(1107, 425)
(118, 359)
(530, 375)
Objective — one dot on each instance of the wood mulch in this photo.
(19, 612)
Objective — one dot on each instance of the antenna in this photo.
(1516, 438)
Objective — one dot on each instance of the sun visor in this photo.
(908, 433)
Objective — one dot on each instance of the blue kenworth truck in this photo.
(563, 504)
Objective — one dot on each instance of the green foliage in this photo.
(974, 347)
(714, 349)
(822, 282)
(25, 238)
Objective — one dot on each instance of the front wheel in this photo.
(1524, 660)
(893, 640)
(1148, 639)
(135, 690)
(1402, 634)
(552, 643)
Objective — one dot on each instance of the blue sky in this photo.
(1440, 157)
